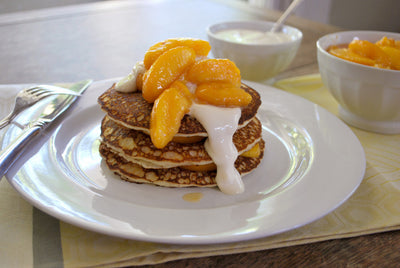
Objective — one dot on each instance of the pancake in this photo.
(136, 147)
(128, 151)
(133, 111)
(171, 177)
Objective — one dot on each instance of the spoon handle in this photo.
(284, 16)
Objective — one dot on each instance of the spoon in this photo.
(284, 16)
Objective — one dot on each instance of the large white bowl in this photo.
(368, 97)
(257, 62)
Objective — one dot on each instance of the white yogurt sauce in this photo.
(128, 83)
(245, 36)
(220, 124)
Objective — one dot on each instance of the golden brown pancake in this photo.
(135, 146)
(171, 177)
(133, 111)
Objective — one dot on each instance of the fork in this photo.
(29, 96)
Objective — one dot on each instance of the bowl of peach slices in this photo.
(361, 69)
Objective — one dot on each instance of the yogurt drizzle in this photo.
(220, 124)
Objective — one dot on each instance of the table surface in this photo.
(103, 40)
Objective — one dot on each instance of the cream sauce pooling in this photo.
(245, 36)
(220, 124)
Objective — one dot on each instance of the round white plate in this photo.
(313, 162)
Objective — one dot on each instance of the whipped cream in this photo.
(128, 83)
(221, 123)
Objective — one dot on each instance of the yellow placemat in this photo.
(374, 207)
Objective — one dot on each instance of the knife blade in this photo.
(51, 112)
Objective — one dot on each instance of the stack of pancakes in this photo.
(128, 151)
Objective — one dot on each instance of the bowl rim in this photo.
(298, 36)
(379, 34)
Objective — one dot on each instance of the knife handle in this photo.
(14, 150)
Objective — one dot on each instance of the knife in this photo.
(53, 110)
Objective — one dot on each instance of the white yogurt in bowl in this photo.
(246, 36)
(258, 55)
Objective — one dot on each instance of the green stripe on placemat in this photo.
(46, 240)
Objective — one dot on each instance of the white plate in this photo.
(313, 163)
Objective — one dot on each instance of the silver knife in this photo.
(54, 109)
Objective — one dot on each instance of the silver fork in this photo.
(29, 96)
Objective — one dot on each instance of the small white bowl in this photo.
(368, 97)
(256, 62)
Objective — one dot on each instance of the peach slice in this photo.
(394, 55)
(213, 70)
(165, 70)
(388, 42)
(139, 82)
(183, 88)
(255, 151)
(346, 54)
(205, 167)
(166, 116)
(192, 139)
(201, 48)
(222, 94)
(370, 50)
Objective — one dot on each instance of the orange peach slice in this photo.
(346, 54)
(388, 42)
(222, 94)
(370, 50)
(206, 167)
(213, 70)
(394, 55)
(166, 116)
(165, 70)
(201, 48)
(255, 151)
(192, 139)
(183, 88)
(139, 82)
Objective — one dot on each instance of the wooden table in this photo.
(104, 40)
